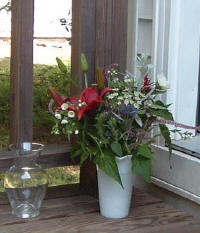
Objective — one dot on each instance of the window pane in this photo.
(52, 33)
(5, 28)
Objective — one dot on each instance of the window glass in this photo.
(52, 34)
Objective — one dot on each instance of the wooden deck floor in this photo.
(63, 213)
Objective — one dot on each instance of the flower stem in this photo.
(86, 80)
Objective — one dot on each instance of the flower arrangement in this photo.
(115, 117)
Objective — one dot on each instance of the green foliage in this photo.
(142, 167)
(44, 76)
(106, 162)
(142, 161)
(166, 134)
(117, 149)
(119, 124)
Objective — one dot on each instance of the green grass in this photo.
(44, 76)
(56, 176)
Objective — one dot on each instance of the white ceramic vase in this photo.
(114, 200)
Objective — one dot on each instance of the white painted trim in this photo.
(132, 36)
(179, 173)
(175, 189)
(155, 22)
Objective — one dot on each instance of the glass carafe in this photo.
(26, 182)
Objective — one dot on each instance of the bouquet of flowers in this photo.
(115, 117)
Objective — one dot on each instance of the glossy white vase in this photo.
(115, 201)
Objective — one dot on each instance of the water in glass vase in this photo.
(27, 201)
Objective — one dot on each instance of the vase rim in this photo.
(27, 146)
(124, 157)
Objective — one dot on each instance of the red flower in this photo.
(92, 98)
(147, 85)
(89, 95)
(58, 99)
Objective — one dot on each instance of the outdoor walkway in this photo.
(64, 214)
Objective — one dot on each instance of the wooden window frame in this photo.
(100, 29)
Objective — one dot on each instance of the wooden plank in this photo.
(52, 156)
(119, 32)
(21, 70)
(143, 219)
(83, 40)
(81, 214)
(59, 202)
(111, 32)
(53, 192)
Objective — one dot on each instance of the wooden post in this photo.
(99, 29)
(21, 70)
(111, 32)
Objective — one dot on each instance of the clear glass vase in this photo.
(26, 182)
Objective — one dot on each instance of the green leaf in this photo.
(145, 151)
(138, 120)
(141, 112)
(142, 167)
(166, 134)
(107, 163)
(156, 106)
(61, 66)
(100, 78)
(159, 102)
(84, 157)
(162, 113)
(117, 149)
(84, 63)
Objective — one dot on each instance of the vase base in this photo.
(25, 211)
(114, 217)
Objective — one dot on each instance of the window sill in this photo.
(179, 174)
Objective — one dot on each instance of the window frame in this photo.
(178, 173)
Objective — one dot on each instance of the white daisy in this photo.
(71, 114)
(64, 106)
(58, 116)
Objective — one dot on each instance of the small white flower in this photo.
(64, 121)
(162, 82)
(115, 80)
(71, 114)
(119, 103)
(76, 131)
(58, 116)
(126, 102)
(120, 98)
(64, 106)
(111, 96)
(127, 80)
